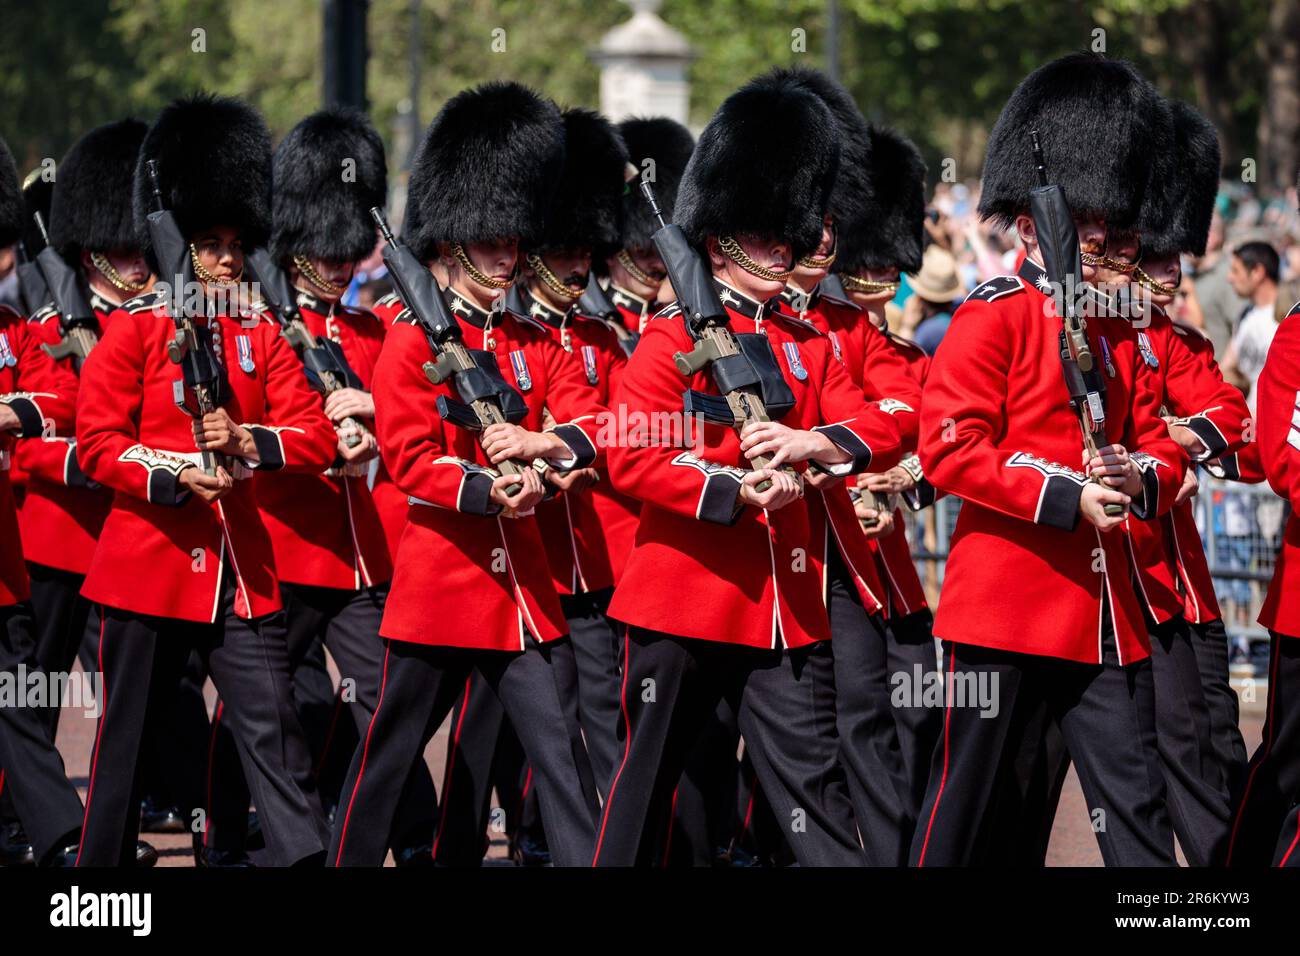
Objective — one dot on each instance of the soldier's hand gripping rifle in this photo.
(323, 360)
(1058, 240)
(203, 386)
(485, 396)
(77, 325)
(744, 366)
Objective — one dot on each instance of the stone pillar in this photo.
(643, 67)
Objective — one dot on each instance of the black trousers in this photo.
(704, 820)
(1199, 801)
(785, 707)
(909, 641)
(596, 647)
(1210, 645)
(1266, 828)
(418, 686)
(35, 779)
(869, 740)
(1107, 718)
(142, 659)
(347, 623)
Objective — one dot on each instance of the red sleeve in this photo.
(1277, 411)
(888, 379)
(870, 431)
(1159, 458)
(108, 412)
(295, 436)
(575, 405)
(410, 431)
(46, 393)
(1213, 409)
(53, 457)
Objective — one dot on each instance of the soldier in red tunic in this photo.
(1039, 608)
(472, 588)
(36, 400)
(723, 592)
(184, 560)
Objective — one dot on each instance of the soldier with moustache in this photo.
(472, 589)
(723, 593)
(1266, 826)
(36, 399)
(1033, 542)
(659, 148)
(331, 554)
(184, 560)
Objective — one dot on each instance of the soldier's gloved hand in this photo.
(1113, 466)
(1190, 486)
(349, 403)
(1093, 502)
(875, 523)
(785, 489)
(217, 431)
(892, 482)
(516, 494)
(812, 478)
(576, 480)
(205, 486)
(1188, 440)
(503, 440)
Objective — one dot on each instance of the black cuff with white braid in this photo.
(1209, 435)
(846, 440)
(165, 488)
(720, 497)
(30, 420)
(270, 450)
(1059, 504)
(1147, 505)
(1225, 467)
(584, 452)
(922, 494)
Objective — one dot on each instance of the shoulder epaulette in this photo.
(141, 303)
(667, 312)
(796, 320)
(996, 288)
(528, 320)
(1295, 310)
(392, 298)
(897, 339)
(1184, 328)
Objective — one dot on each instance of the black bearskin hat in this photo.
(1179, 204)
(764, 165)
(1099, 122)
(487, 169)
(891, 228)
(587, 209)
(665, 146)
(329, 171)
(214, 168)
(91, 207)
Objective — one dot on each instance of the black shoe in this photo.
(15, 848)
(526, 851)
(421, 855)
(222, 859)
(156, 819)
(145, 855)
(61, 857)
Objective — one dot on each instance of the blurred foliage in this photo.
(937, 69)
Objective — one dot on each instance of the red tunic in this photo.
(465, 576)
(704, 565)
(61, 513)
(1173, 575)
(635, 311)
(325, 529)
(41, 394)
(1277, 412)
(161, 551)
(1026, 572)
(588, 534)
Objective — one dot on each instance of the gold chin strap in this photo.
(1106, 262)
(731, 249)
(482, 278)
(210, 278)
(815, 262)
(634, 270)
(114, 277)
(308, 271)
(866, 286)
(1141, 277)
(550, 279)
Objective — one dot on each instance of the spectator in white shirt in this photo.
(1253, 276)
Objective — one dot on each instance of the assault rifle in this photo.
(77, 324)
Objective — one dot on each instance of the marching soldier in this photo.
(659, 148)
(184, 560)
(1038, 601)
(36, 399)
(482, 186)
(722, 593)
